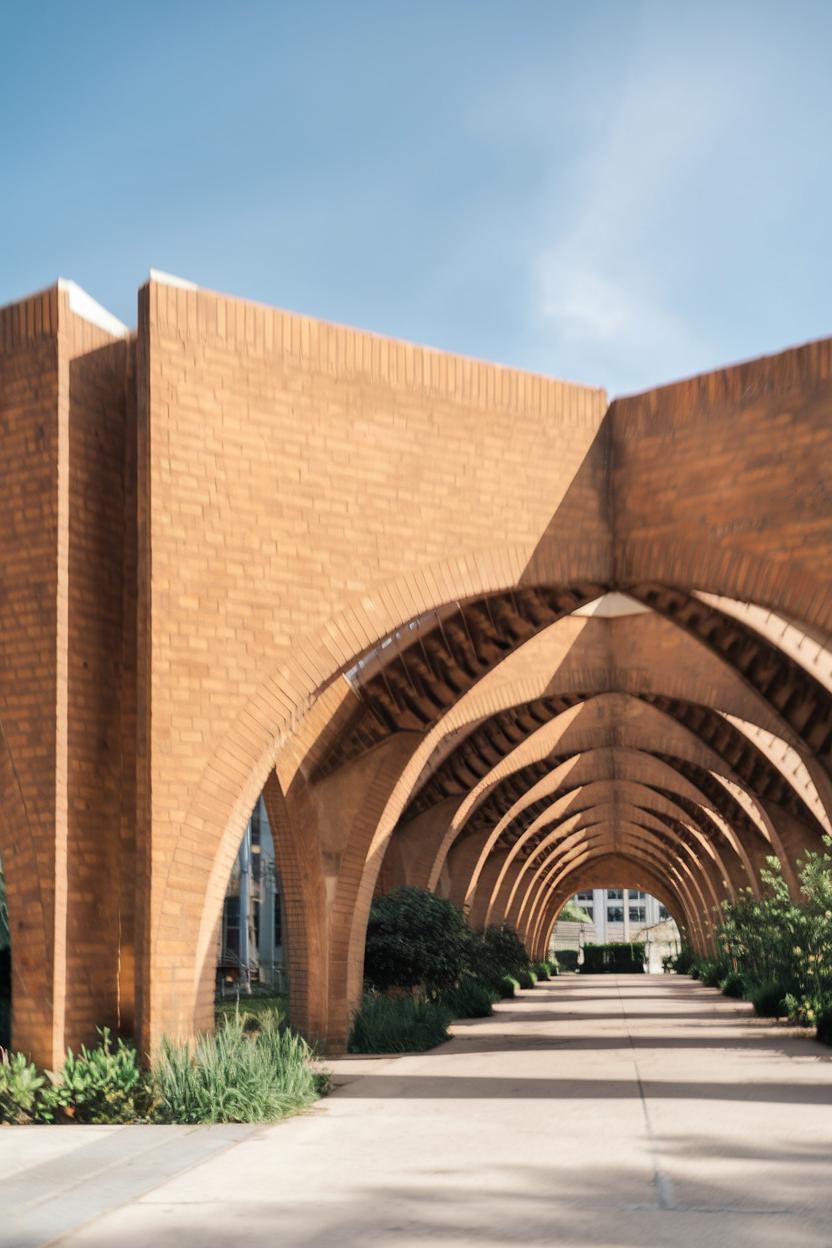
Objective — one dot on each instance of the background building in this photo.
(251, 933)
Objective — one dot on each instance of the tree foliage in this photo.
(416, 940)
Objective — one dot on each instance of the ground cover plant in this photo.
(471, 997)
(249, 1070)
(241, 1073)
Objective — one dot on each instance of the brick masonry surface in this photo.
(205, 523)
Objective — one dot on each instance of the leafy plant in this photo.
(23, 1090)
(769, 999)
(526, 977)
(103, 1084)
(497, 952)
(416, 939)
(508, 986)
(398, 1025)
(542, 971)
(733, 985)
(568, 959)
(471, 998)
(616, 958)
(238, 1074)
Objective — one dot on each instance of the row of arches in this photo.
(458, 626)
(672, 750)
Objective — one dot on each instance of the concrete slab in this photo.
(600, 1111)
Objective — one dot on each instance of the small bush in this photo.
(398, 1025)
(568, 959)
(101, 1085)
(496, 952)
(471, 998)
(239, 1074)
(508, 986)
(416, 939)
(684, 961)
(23, 1090)
(542, 971)
(769, 999)
(823, 1022)
(526, 978)
(733, 985)
(615, 959)
(713, 972)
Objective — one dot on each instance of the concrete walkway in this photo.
(605, 1112)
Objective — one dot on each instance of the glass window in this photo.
(635, 895)
(615, 894)
(583, 896)
(615, 914)
(231, 925)
(637, 914)
(663, 912)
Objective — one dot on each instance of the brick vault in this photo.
(461, 626)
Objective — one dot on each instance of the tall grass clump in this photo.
(471, 998)
(398, 1025)
(241, 1073)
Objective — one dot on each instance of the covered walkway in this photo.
(604, 1111)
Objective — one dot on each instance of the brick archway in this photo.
(276, 555)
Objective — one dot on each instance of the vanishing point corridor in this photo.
(602, 1111)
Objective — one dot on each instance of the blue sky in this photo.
(619, 193)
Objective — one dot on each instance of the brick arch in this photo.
(598, 800)
(639, 851)
(596, 875)
(611, 795)
(552, 707)
(580, 740)
(241, 764)
(638, 857)
(609, 870)
(636, 837)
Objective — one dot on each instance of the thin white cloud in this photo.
(608, 298)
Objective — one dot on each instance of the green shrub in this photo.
(616, 959)
(497, 952)
(398, 1025)
(542, 971)
(101, 1085)
(768, 999)
(683, 962)
(568, 959)
(508, 986)
(23, 1090)
(712, 972)
(471, 998)
(239, 1074)
(416, 939)
(733, 985)
(527, 977)
(823, 1022)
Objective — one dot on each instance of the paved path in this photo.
(605, 1112)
